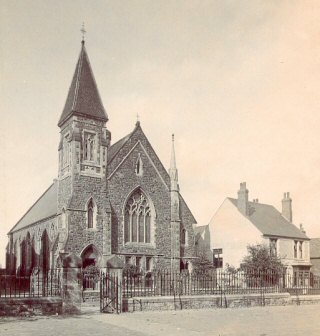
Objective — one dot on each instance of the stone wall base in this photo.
(214, 301)
(30, 306)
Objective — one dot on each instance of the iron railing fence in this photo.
(170, 284)
(35, 285)
(91, 281)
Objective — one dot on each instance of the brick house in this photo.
(239, 222)
(108, 200)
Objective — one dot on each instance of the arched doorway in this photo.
(89, 256)
(91, 273)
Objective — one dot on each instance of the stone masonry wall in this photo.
(155, 182)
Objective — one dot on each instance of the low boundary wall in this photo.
(214, 301)
(30, 306)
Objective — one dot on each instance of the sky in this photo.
(237, 82)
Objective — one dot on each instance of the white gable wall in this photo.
(232, 232)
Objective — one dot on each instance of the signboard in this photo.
(217, 251)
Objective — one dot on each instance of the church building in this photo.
(108, 199)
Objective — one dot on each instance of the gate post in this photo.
(71, 283)
(114, 270)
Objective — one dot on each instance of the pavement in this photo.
(261, 321)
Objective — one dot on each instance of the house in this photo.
(315, 255)
(108, 199)
(239, 222)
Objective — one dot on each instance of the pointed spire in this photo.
(173, 155)
(83, 98)
(173, 171)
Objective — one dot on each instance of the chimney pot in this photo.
(287, 207)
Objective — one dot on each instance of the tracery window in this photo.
(137, 219)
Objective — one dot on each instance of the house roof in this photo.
(44, 207)
(315, 248)
(83, 98)
(269, 221)
(200, 229)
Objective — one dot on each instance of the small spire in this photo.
(173, 156)
(83, 31)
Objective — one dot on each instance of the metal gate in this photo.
(110, 293)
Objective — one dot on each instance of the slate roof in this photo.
(315, 248)
(269, 221)
(200, 229)
(44, 207)
(83, 98)
(114, 149)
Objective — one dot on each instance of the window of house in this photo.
(218, 262)
(148, 264)
(295, 249)
(137, 219)
(273, 246)
(300, 250)
(139, 262)
(128, 260)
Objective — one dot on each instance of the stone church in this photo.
(108, 200)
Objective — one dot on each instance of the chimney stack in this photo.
(287, 207)
(302, 229)
(243, 196)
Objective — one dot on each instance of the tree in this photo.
(259, 258)
(202, 264)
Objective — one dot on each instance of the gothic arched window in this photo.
(137, 219)
(90, 214)
(184, 237)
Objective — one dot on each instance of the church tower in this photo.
(82, 185)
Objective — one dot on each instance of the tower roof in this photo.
(83, 98)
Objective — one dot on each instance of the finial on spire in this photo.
(83, 31)
(172, 137)
(138, 120)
